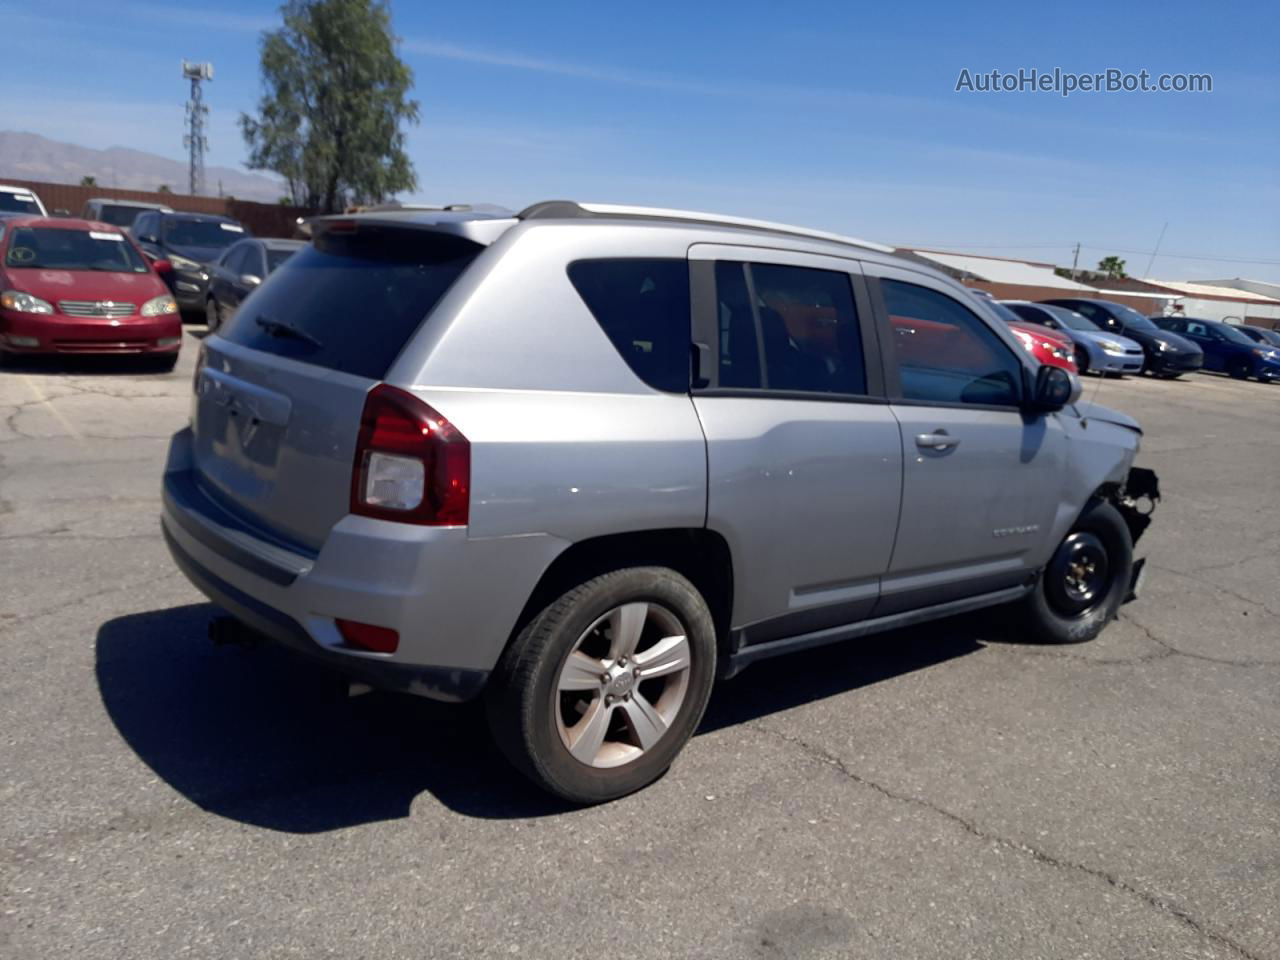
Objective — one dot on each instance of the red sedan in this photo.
(1046, 345)
(77, 286)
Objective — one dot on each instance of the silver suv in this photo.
(584, 459)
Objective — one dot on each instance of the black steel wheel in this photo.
(1080, 589)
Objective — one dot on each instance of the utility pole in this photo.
(195, 141)
(1075, 260)
(1159, 240)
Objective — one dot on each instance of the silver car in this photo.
(585, 459)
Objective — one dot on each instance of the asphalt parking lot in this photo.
(946, 792)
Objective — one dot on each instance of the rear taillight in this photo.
(411, 464)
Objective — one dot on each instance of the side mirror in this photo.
(250, 279)
(1053, 389)
(162, 266)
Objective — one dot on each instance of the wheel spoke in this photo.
(580, 672)
(625, 626)
(668, 655)
(588, 733)
(644, 720)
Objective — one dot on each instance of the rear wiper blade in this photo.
(278, 328)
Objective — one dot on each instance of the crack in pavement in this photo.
(1227, 590)
(10, 621)
(1177, 652)
(1159, 903)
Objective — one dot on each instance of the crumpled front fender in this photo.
(1136, 500)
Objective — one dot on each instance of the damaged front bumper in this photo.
(1136, 501)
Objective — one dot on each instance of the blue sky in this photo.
(816, 113)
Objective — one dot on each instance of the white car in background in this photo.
(20, 200)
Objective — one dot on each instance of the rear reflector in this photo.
(365, 636)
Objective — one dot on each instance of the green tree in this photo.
(1113, 267)
(163, 188)
(88, 181)
(336, 97)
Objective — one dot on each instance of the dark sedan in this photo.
(1226, 348)
(1167, 355)
(239, 271)
(189, 242)
(1263, 335)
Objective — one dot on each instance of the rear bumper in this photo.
(277, 626)
(56, 333)
(452, 599)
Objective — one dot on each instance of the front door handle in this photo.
(936, 441)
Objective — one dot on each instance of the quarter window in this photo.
(643, 308)
(945, 353)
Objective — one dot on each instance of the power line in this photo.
(1071, 245)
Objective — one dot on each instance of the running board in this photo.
(850, 631)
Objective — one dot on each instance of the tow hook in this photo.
(229, 632)
(1137, 500)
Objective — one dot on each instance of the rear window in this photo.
(350, 302)
(643, 307)
(118, 215)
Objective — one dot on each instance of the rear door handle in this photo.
(936, 441)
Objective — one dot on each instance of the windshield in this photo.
(1003, 312)
(1232, 334)
(18, 203)
(1132, 318)
(118, 215)
(201, 233)
(277, 257)
(1069, 318)
(52, 248)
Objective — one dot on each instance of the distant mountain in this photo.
(27, 156)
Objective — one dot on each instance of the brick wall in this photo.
(261, 219)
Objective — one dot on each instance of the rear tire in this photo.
(1081, 588)
(565, 704)
(212, 315)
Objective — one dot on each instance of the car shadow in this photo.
(264, 738)
(85, 365)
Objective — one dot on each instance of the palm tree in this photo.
(1113, 267)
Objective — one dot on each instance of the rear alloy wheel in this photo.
(212, 315)
(599, 693)
(1081, 588)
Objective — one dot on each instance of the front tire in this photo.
(1082, 361)
(1081, 588)
(603, 688)
(1239, 370)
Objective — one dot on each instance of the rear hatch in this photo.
(281, 388)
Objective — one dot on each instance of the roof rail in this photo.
(572, 210)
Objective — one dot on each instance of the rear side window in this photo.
(643, 308)
(351, 301)
(801, 319)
